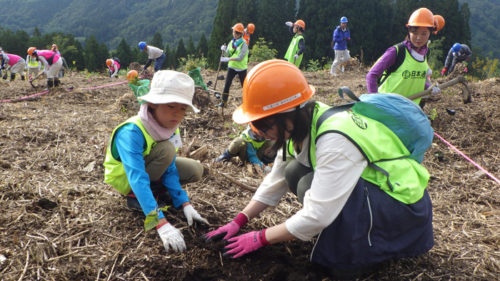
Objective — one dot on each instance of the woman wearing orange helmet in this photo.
(297, 46)
(236, 55)
(403, 68)
(113, 67)
(324, 160)
(52, 62)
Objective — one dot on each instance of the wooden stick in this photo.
(459, 79)
(25, 266)
(240, 184)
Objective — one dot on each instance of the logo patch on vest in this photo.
(407, 74)
(359, 121)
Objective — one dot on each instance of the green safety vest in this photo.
(114, 171)
(408, 79)
(247, 138)
(389, 166)
(292, 50)
(234, 53)
(32, 62)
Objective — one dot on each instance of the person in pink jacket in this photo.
(113, 67)
(12, 63)
(52, 64)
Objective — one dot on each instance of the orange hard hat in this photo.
(109, 62)
(439, 23)
(301, 23)
(31, 50)
(250, 28)
(422, 17)
(272, 87)
(132, 74)
(239, 28)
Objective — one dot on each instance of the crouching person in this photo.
(250, 147)
(329, 160)
(141, 160)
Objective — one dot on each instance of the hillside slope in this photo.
(112, 20)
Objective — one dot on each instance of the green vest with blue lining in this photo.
(114, 171)
(408, 79)
(235, 53)
(256, 144)
(389, 166)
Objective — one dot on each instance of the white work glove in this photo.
(223, 47)
(191, 214)
(113, 75)
(172, 237)
(435, 90)
(224, 59)
(296, 56)
(289, 23)
(267, 169)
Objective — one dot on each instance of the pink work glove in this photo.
(246, 243)
(228, 230)
(466, 70)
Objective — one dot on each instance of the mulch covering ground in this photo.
(59, 221)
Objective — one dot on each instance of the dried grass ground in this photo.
(59, 221)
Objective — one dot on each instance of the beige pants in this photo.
(340, 57)
(239, 147)
(160, 158)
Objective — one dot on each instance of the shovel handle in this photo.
(459, 79)
(218, 69)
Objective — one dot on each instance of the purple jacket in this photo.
(388, 59)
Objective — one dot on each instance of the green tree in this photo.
(202, 48)
(271, 18)
(124, 53)
(180, 52)
(170, 53)
(223, 21)
(190, 49)
(157, 41)
(95, 54)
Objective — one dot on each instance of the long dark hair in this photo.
(301, 119)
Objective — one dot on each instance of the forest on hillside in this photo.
(373, 29)
(484, 22)
(110, 21)
(114, 20)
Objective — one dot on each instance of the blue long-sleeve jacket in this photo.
(340, 38)
(130, 143)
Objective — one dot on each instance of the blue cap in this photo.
(343, 20)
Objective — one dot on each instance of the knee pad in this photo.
(12, 76)
(50, 83)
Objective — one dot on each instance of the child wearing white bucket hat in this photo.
(141, 160)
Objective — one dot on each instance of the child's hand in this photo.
(171, 237)
(191, 214)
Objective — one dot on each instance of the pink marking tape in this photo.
(468, 159)
(46, 91)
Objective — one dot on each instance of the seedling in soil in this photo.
(152, 220)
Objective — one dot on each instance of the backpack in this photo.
(117, 59)
(401, 115)
(400, 58)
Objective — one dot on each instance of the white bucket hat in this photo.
(171, 86)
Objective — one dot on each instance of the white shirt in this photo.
(153, 52)
(339, 165)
